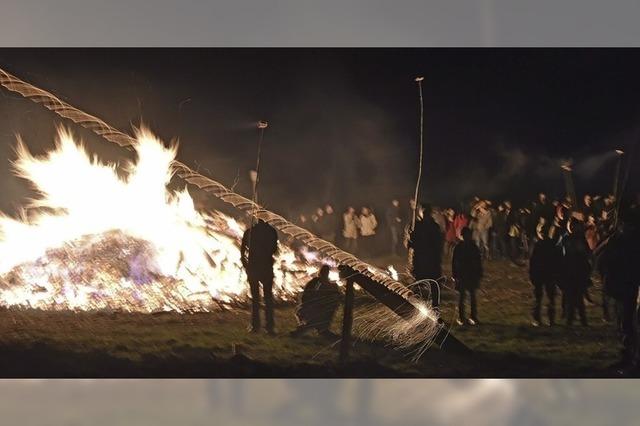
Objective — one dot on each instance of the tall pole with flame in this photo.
(417, 191)
(255, 176)
(616, 178)
(568, 182)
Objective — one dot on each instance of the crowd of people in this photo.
(357, 232)
(361, 231)
(565, 243)
(557, 236)
(500, 230)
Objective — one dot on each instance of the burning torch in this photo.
(616, 178)
(255, 174)
(418, 80)
(568, 181)
(417, 192)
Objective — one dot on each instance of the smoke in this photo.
(330, 145)
(588, 167)
(334, 135)
(517, 170)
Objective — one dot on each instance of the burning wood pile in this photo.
(95, 240)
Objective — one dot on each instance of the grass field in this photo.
(69, 344)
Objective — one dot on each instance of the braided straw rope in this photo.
(207, 184)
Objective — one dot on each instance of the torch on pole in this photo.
(616, 177)
(417, 191)
(347, 318)
(255, 176)
(568, 182)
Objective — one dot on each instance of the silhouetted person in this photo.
(620, 267)
(259, 244)
(368, 225)
(481, 223)
(576, 271)
(318, 223)
(544, 272)
(331, 225)
(350, 229)
(587, 208)
(513, 230)
(466, 268)
(543, 208)
(319, 302)
(394, 222)
(427, 242)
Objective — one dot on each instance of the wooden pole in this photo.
(417, 191)
(347, 321)
(569, 186)
(616, 177)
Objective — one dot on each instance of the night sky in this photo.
(343, 123)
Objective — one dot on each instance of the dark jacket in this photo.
(544, 265)
(466, 265)
(394, 217)
(500, 223)
(427, 243)
(329, 225)
(259, 244)
(576, 263)
(619, 264)
(544, 210)
(319, 301)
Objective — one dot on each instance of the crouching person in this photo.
(467, 272)
(319, 302)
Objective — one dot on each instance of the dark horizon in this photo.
(343, 123)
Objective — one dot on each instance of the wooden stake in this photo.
(347, 321)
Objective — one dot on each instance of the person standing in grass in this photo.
(351, 224)
(259, 245)
(466, 269)
(427, 243)
(576, 271)
(394, 223)
(368, 225)
(619, 267)
(544, 270)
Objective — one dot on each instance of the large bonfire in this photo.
(94, 239)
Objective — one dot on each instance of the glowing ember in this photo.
(101, 241)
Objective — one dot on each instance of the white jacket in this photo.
(483, 221)
(368, 225)
(351, 225)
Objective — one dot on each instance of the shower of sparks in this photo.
(96, 240)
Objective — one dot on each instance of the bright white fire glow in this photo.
(97, 240)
